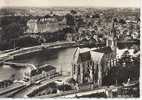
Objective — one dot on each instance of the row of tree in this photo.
(127, 68)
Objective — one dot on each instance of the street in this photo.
(31, 88)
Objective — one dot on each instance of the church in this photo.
(90, 65)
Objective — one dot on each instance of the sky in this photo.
(70, 3)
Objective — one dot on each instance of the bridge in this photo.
(22, 51)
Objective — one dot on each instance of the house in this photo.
(48, 71)
(44, 71)
(36, 75)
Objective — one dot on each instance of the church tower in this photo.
(112, 39)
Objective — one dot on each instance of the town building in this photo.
(5, 83)
(45, 71)
(46, 24)
(36, 75)
(48, 71)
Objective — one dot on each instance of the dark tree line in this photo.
(120, 73)
(13, 27)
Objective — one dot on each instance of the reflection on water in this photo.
(64, 60)
(58, 58)
(6, 72)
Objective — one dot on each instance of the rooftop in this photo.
(103, 50)
(47, 67)
(86, 54)
(42, 68)
(36, 72)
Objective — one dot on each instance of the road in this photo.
(23, 92)
(29, 89)
(10, 88)
(100, 90)
(79, 93)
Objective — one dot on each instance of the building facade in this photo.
(87, 67)
(45, 71)
(42, 25)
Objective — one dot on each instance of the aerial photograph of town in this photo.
(69, 52)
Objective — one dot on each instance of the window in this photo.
(78, 70)
(74, 69)
(109, 42)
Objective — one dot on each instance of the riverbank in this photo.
(10, 54)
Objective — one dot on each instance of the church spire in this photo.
(111, 38)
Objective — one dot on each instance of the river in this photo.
(61, 59)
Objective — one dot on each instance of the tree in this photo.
(27, 41)
(52, 85)
(6, 11)
(12, 31)
(122, 21)
(13, 26)
(70, 20)
(71, 81)
(73, 12)
(64, 87)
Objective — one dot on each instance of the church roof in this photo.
(86, 54)
(79, 54)
(104, 50)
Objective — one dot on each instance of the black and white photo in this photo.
(70, 49)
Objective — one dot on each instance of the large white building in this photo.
(44, 25)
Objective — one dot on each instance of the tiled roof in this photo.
(86, 56)
(36, 72)
(47, 67)
(42, 68)
(82, 55)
